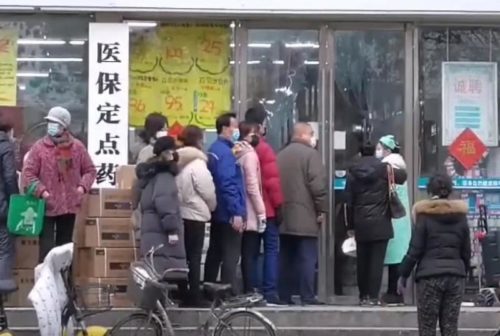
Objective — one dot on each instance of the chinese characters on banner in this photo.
(8, 67)
(181, 71)
(469, 93)
(108, 99)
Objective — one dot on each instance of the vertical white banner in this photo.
(108, 99)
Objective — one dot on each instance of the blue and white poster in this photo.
(469, 93)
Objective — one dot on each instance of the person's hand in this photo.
(279, 215)
(321, 219)
(350, 233)
(80, 190)
(401, 285)
(261, 225)
(173, 239)
(45, 195)
(238, 224)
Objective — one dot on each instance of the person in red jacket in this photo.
(273, 199)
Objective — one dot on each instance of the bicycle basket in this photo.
(144, 289)
(94, 297)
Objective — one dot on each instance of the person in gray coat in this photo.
(305, 189)
(161, 218)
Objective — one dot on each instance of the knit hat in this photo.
(59, 115)
(164, 144)
(388, 141)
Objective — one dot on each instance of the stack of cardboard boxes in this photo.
(26, 260)
(106, 245)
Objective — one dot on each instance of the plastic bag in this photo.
(26, 214)
(349, 247)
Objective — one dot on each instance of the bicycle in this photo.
(149, 291)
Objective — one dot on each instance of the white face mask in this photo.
(379, 153)
(161, 134)
(314, 142)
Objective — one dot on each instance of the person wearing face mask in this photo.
(305, 190)
(155, 127)
(63, 172)
(228, 219)
(369, 219)
(388, 151)
(248, 160)
(159, 203)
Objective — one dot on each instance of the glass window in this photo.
(183, 71)
(369, 89)
(51, 71)
(453, 44)
(283, 75)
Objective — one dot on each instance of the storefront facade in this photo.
(357, 71)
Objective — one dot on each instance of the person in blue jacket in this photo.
(228, 219)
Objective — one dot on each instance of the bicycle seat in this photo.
(216, 289)
(175, 275)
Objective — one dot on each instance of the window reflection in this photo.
(283, 75)
(369, 89)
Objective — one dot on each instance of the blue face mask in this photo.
(53, 129)
(236, 135)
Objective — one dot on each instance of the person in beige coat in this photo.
(255, 223)
(197, 201)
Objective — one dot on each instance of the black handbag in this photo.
(396, 207)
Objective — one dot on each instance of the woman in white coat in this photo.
(197, 201)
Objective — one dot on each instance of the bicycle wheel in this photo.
(138, 324)
(244, 323)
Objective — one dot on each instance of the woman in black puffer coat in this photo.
(440, 248)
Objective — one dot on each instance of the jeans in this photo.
(57, 231)
(271, 260)
(194, 236)
(7, 256)
(223, 254)
(370, 268)
(298, 259)
(250, 244)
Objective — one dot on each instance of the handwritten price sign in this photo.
(8, 66)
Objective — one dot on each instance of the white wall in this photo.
(449, 7)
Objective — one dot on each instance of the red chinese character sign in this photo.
(468, 149)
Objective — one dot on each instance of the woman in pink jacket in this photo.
(256, 212)
(63, 172)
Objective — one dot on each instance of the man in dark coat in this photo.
(161, 219)
(367, 192)
(305, 190)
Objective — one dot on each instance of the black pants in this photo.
(370, 268)
(250, 244)
(392, 285)
(440, 299)
(223, 254)
(298, 259)
(57, 231)
(194, 236)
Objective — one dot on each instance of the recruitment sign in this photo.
(469, 94)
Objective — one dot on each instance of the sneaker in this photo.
(275, 301)
(312, 302)
(392, 300)
(373, 303)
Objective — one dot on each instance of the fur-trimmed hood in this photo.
(188, 154)
(440, 207)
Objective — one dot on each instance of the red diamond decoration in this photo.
(468, 149)
(175, 130)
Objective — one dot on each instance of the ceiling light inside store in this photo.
(259, 45)
(32, 74)
(40, 42)
(77, 42)
(279, 62)
(49, 59)
(253, 62)
(22, 87)
(311, 62)
(302, 45)
(143, 24)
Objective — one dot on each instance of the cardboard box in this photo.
(105, 262)
(25, 280)
(95, 292)
(27, 252)
(108, 232)
(125, 177)
(110, 203)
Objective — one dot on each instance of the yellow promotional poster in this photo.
(181, 71)
(8, 67)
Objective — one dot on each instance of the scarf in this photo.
(64, 158)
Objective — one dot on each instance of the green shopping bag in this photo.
(26, 214)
